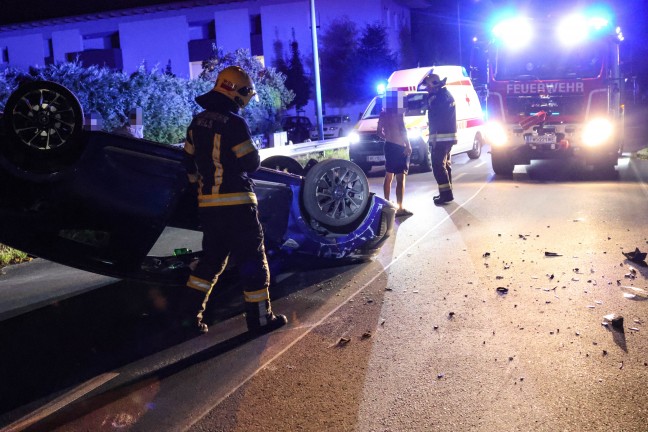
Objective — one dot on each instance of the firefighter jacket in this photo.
(219, 153)
(442, 116)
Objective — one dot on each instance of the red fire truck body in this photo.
(554, 98)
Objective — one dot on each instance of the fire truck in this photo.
(554, 90)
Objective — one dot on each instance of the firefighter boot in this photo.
(444, 197)
(260, 319)
(189, 312)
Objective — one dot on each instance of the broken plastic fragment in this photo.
(486, 254)
(344, 341)
(636, 256)
(634, 293)
(615, 320)
(502, 290)
(552, 254)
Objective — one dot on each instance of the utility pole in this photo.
(316, 74)
(459, 32)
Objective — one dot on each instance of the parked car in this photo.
(297, 127)
(334, 126)
(99, 201)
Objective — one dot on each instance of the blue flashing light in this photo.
(380, 88)
(514, 32)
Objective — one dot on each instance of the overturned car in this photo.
(99, 201)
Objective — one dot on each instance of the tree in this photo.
(264, 115)
(337, 51)
(374, 61)
(296, 79)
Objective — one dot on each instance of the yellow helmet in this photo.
(236, 84)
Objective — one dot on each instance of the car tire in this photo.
(44, 122)
(502, 164)
(478, 143)
(283, 163)
(336, 193)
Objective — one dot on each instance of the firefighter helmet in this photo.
(433, 81)
(236, 84)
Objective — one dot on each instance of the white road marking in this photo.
(312, 327)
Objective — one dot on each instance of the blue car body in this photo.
(104, 213)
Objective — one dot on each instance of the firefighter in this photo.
(219, 154)
(442, 118)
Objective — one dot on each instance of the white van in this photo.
(366, 147)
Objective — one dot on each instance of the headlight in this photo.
(414, 133)
(353, 138)
(597, 132)
(496, 134)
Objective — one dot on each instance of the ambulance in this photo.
(366, 147)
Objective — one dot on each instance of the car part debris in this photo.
(344, 341)
(502, 290)
(552, 254)
(636, 256)
(634, 293)
(615, 320)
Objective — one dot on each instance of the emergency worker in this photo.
(442, 118)
(219, 155)
(391, 127)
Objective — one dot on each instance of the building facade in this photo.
(180, 35)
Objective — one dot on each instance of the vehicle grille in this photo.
(557, 105)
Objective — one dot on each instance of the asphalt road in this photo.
(463, 323)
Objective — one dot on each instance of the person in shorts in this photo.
(391, 127)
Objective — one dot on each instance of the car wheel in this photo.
(44, 121)
(426, 165)
(477, 147)
(283, 163)
(502, 164)
(336, 192)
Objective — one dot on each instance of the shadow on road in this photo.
(55, 348)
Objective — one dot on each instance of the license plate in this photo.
(380, 158)
(541, 139)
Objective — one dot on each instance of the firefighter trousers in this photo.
(441, 165)
(233, 232)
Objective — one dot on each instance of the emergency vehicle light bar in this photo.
(518, 32)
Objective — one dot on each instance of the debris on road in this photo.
(632, 274)
(502, 290)
(486, 254)
(344, 341)
(366, 335)
(615, 320)
(552, 254)
(636, 256)
(634, 293)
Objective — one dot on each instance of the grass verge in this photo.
(10, 255)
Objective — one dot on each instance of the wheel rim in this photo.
(340, 193)
(43, 119)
